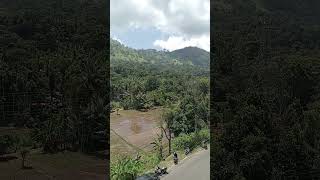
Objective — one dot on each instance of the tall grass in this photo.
(127, 168)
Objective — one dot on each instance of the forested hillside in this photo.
(187, 56)
(141, 79)
(196, 56)
(54, 72)
(265, 107)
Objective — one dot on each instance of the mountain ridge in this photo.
(185, 56)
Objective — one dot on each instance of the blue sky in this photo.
(139, 38)
(161, 24)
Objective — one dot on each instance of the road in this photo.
(195, 167)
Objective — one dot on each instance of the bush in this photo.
(191, 140)
(204, 135)
(115, 105)
(11, 143)
(5, 142)
(181, 142)
(151, 161)
(126, 168)
(25, 141)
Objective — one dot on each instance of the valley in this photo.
(160, 105)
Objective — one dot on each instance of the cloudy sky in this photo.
(161, 24)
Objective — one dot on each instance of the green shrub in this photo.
(191, 140)
(25, 141)
(126, 169)
(151, 161)
(181, 142)
(10, 143)
(5, 143)
(204, 135)
(115, 105)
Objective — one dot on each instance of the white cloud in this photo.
(188, 19)
(117, 39)
(178, 42)
(134, 14)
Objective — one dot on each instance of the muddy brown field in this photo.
(132, 131)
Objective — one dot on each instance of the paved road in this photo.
(195, 167)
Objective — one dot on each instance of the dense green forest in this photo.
(54, 73)
(265, 106)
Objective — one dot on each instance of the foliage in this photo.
(142, 79)
(265, 90)
(54, 71)
(5, 143)
(12, 143)
(191, 140)
(195, 55)
(150, 161)
(126, 168)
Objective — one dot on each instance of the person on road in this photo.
(175, 155)
(187, 151)
(175, 158)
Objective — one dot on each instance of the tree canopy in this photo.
(265, 92)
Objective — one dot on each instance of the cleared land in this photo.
(133, 131)
(62, 166)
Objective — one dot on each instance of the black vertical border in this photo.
(108, 85)
(211, 121)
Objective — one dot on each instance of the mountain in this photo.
(187, 56)
(195, 55)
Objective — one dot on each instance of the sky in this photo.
(161, 24)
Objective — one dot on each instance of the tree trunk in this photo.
(168, 136)
(169, 139)
(160, 152)
(22, 163)
(169, 146)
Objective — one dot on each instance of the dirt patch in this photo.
(14, 131)
(6, 158)
(132, 130)
(60, 166)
